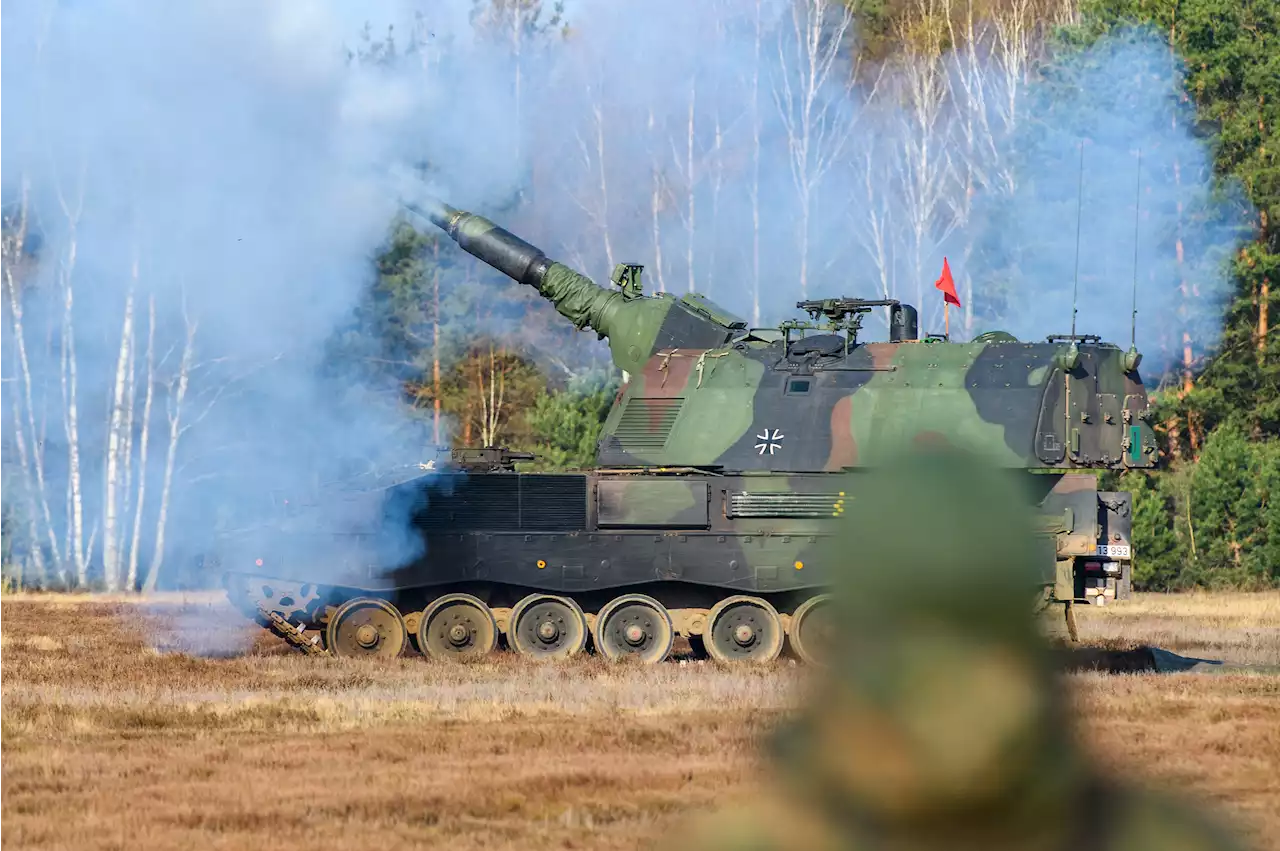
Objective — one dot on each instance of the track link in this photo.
(295, 635)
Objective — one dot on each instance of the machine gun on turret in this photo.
(489, 459)
(845, 314)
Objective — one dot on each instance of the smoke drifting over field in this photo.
(236, 159)
(226, 164)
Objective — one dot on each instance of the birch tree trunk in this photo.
(755, 168)
(817, 126)
(115, 444)
(489, 412)
(717, 183)
(143, 440)
(517, 58)
(177, 396)
(492, 393)
(1012, 54)
(877, 225)
(926, 170)
(691, 217)
(604, 181)
(658, 197)
(24, 424)
(655, 207)
(969, 97)
(70, 392)
(593, 159)
(686, 166)
(126, 452)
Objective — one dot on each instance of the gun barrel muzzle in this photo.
(435, 211)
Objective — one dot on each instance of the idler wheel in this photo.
(634, 626)
(457, 627)
(743, 629)
(366, 627)
(811, 631)
(546, 627)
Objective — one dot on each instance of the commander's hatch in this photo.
(817, 346)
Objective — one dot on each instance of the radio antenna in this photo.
(1137, 206)
(1075, 287)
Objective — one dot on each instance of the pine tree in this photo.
(567, 423)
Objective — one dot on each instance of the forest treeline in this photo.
(897, 131)
(1213, 519)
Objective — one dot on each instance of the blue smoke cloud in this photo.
(249, 170)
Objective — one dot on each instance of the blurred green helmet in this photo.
(939, 695)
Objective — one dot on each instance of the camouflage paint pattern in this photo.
(1008, 402)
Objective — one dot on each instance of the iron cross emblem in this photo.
(770, 441)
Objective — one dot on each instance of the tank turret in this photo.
(636, 325)
(703, 391)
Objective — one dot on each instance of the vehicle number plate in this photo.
(1113, 550)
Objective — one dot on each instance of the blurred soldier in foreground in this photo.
(940, 721)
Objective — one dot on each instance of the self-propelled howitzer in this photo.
(719, 475)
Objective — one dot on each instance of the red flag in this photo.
(947, 285)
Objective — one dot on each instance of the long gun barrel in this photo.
(478, 236)
(636, 326)
(575, 296)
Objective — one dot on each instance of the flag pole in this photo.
(946, 318)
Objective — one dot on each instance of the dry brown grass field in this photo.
(173, 724)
